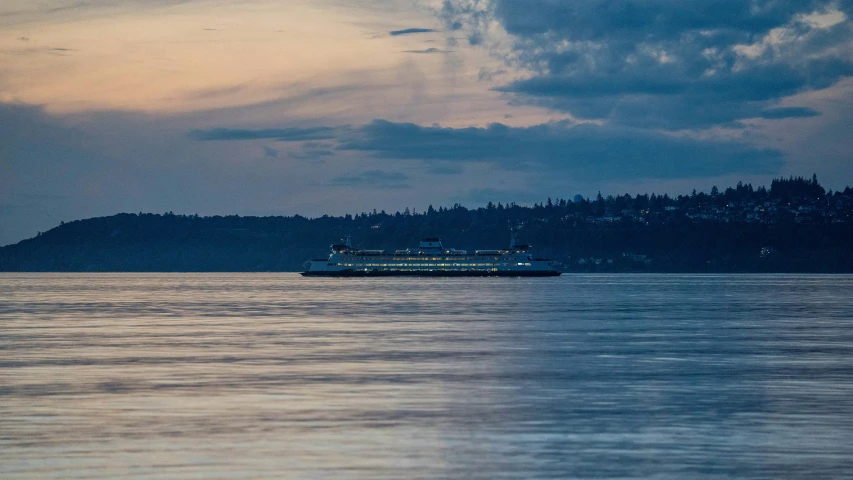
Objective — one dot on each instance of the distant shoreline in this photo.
(795, 227)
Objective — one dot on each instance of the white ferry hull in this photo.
(431, 259)
(427, 273)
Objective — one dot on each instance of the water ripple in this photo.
(149, 376)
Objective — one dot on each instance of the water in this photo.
(185, 376)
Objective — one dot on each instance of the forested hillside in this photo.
(795, 226)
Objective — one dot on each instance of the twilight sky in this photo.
(278, 107)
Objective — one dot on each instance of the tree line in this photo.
(794, 226)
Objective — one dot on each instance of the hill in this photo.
(796, 226)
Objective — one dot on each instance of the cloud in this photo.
(670, 100)
(448, 168)
(373, 178)
(270, 152)
(487, 75)
(428, 50)
(663, 63)
(280, 134)
(409, 31)
(23, 12)
(210, 93)
(789, 112)
(313, 152)
(40, 50)
(581, 151)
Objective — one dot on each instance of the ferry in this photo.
(431, 259)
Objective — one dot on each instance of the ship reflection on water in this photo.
(277, 376)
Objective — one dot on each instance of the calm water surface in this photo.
(185, 376)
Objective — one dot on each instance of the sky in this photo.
(283, 107)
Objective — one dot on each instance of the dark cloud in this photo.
(672, 100)
(318, 145)
(41, 50)
(270, 152)
(583, 151)
(646, 19)
(428, 50)
(373, 178)
(446, 169)
(314, 152)
(665, 63)
(409, 31)
(789, 112)
(280, 134)
(312, 155)
(58, 51)
(487, 75)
